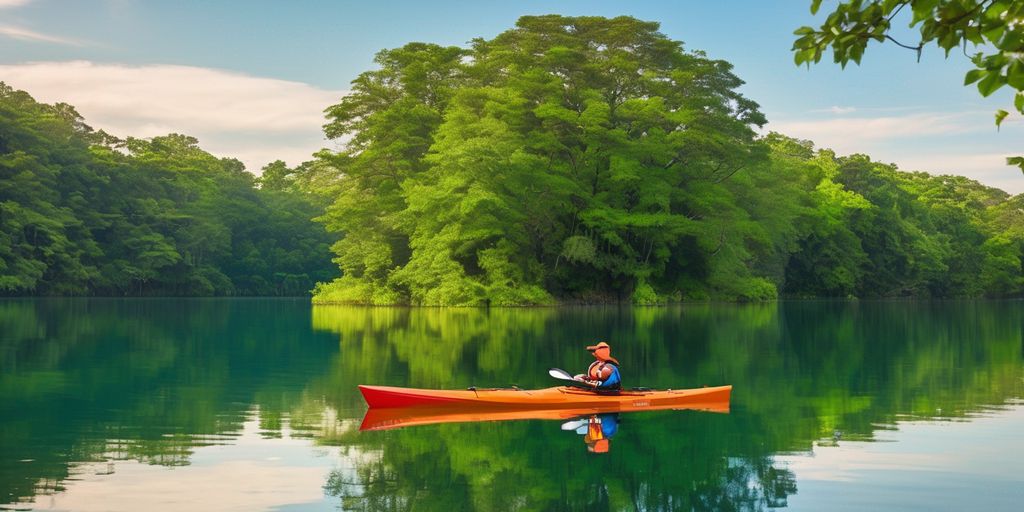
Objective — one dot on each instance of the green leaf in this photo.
(973, 76)
(1018, 102)
(805, 55)
(1015, 75)
(973, 34)
(856, 52)
(995, 11)
(995, 33)
(990, 84)
(1016, 161)
(815, 5)
(923, 10)
(1000, 115)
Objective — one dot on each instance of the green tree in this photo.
(82, 212)
(568, 154)
(589, 159)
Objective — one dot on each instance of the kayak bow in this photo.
(544, 399)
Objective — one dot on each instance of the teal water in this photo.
(251, 404)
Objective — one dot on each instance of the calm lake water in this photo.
(197, 404)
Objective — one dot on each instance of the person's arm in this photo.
(612, 380)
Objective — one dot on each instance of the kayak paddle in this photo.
(575, 424)
(560, 374)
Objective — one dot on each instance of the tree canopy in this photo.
(85, 213)
(567, 160)
(589, 159)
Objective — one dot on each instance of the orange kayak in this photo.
(397, 417)
(544, 399)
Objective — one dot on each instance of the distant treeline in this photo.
(84, 213)
(566, 160)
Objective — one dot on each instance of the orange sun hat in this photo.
(603, 351)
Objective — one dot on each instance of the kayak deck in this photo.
(562, 397)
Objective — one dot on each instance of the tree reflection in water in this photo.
(802, 371)
(152, 380)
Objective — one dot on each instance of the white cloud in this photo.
(963, 143)
(254, 119)
(850, 133)
(912, 462)
(988, 168)
(837, 110)
(5, 4)
(251, 472)
(24, 34)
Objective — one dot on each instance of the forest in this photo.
(566, 160)
(85, 213)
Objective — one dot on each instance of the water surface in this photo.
(208, 404)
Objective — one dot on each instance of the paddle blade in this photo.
(560, 374)
(574, 424)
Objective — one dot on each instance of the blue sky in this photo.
(251, 79)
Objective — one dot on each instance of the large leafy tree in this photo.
(567, 154)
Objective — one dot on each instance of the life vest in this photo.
(600, 430)
(597, 367)
(594, 430)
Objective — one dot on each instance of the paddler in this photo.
(604, 372)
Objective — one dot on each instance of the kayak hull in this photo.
(562, 397)
(398, 417)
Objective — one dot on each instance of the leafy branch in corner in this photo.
(995, 26)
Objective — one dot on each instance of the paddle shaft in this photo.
(561, 374)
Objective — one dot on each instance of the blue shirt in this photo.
(613, 380)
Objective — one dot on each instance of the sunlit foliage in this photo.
(585, 159)
(84, 213)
